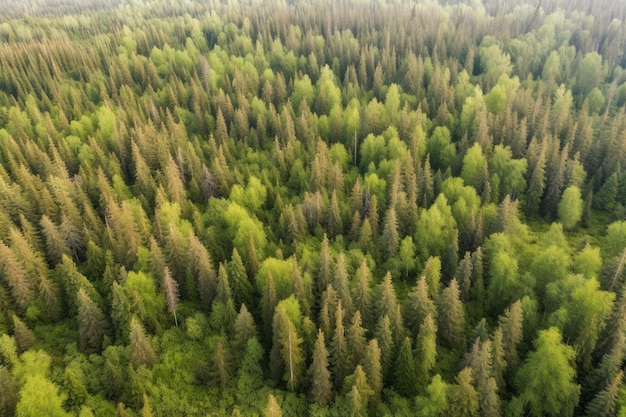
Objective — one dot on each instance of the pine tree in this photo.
(386, 344)
(140, 347)
(272, 409)
(418, 306)
(356, 340)
(244, 327)
(321, 386)
(339, 348)
(238, 278)
(404, 372)
(201, 267)
(451, 317)
(511, 325)
(15, 275)
(373, 368)
(463, 396)
(340, 284)
(91, 323)
(170, 288)
(605, 402)
(426, 348)
(390, 239)
(222, 364)
(24, 337)
(362, 295)
(324, 266)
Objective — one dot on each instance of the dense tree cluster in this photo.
(341, 208)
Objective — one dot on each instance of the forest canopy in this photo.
(345, 208)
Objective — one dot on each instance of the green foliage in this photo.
(275, 180)
(549, 390)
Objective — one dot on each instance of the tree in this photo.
(451, 317)
(426, 347)
(373, 368)
(570, 208)
(604, 403)
(272, 409)
(549, 390)
(244, 327)
(141, 353)
(404, 372)
(91, 323)
(321, 386)
(39, 397)
(24, 337)
(463, 396)
(390, 239)
(511, 325)
(170, 288)
(9, 393)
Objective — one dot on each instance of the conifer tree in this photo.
(605, 401)
(140, 346)
(222, 364)
(244, 328)
(340, 284)
(511, 325)
(451, 317)
(91, 323)
(170, 288)
(418, 306)
(24, 337)
(238, 278)
(385, 343)
(356, 340)
(463, 396)
(362, 295)
(373, 368)
(321, 386)
(200, 265)
(339, 348)
(390, 238)
(426, 348)
(272, 409)
(404, 373)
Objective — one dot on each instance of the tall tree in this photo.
(170, 289)
(321, 385)
(451, 317)
(141, 353)
(91, 323)
(549, 390)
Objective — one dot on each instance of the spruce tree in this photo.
(91, 323)
(321, 386)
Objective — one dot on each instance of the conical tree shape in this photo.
(24, 337)
(404, 373)
(91, 323)
(272, 409)
(141, 352)
(245, 329)
(451, 317)
(321, 386)
(373, 368)
(604, 403)
(170, 288)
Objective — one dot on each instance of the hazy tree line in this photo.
(338, 209)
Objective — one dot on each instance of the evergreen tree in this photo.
(170, 288)
(272, 409)
(463, 396)
(373, 368)
(404, 373)
(244, 328)
(426, 347)
(604, 403)
(356, 341)
(91, 323)
(451, 317)
(24, 337)
(321, 386)
(141, 353)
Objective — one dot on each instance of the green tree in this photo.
(91, 323)
(451, 317)
(549, 390)
(141, 353)
(272, 409)
(39, 397)
(321, 386)
(463, 396)
(404, 372)
(570, 208)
